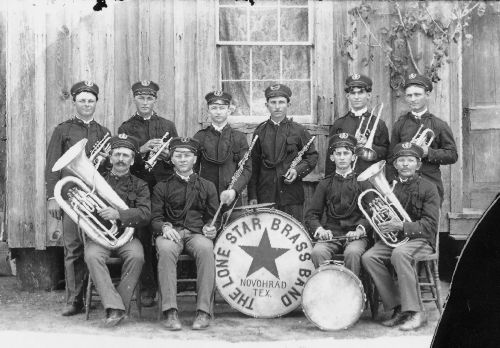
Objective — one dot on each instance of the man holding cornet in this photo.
(420, 200)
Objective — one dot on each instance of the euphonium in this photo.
(423, 137)
(89, 193)
(366, 151)
(384, 207)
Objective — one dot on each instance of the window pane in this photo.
(233, 24)
(264, 24)
(235, 62)
(301, 97)
(296, 62)
(266, 62)
(241, 96)
(227, 2)
(294, 24)
(293, 2)
(258, 98)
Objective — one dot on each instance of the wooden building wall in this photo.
(51, 44)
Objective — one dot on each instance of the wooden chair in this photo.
(92, 291)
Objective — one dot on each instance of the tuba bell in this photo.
(384, 207)
(89, 192)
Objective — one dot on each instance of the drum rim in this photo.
(279, 212)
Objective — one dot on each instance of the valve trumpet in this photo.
(150, 163)
(102, 145)
(423, 137)
(154, 151)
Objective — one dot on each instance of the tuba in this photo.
(423, 137)
(88, 193)
(384, 207)
(366, 151)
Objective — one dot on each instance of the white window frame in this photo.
(251, 119)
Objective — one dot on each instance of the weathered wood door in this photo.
(481, 117)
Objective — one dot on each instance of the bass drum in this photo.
(333, 297)
(263, 260)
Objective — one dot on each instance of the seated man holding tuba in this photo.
(345, 227)
(420, 200)
(183, 208)
(135, 193)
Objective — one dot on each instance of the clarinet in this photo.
(301, 153)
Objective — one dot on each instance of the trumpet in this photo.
(384, 207)
(366, 151)
(156, 148)
(150, 163)
(102, 145)
(423, 137)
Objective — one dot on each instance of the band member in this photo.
(358, 90)
(148, 128)
(183, 208)
(222, 148)
(338, 194)
(280, 140)
(135, 194)
(442, 150)
(420, 199)
(66, 134)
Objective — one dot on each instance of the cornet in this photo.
(101, 146)
(423, 137)
(157, 147)
(366, 151)
(150, 163)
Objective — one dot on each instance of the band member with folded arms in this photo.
(337, 195)
(149, 128)
(81, 125)
(420, 199)
(357, 122)
(135, 193)
(222, 147)
(280, 140)
(442, 150)
(183, 208)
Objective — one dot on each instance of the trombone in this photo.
(366, 151)
(423, 137)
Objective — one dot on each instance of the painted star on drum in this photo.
(264, 255)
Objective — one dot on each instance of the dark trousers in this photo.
(148, 280)
(74, 264)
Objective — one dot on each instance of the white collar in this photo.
(86, 122)
(346, 174)
(219, 129)
(419, 114)
(359, 113)
(183, 177)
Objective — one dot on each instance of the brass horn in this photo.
(89, 193)
(384, 207)
(366, 151)
(423, 137)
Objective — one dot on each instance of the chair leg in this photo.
(439, 304)
(431, 280)
(159, 305)
(138, 300)
(88, 297)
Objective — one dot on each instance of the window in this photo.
(269, 42)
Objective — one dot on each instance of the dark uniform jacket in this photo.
(144, 130)
(276, 148)
(442, 150)
(339, 196)
(349, 124)
(420, 199)
(135, 193)
(65, 135)
(220, 154)
(185, 204)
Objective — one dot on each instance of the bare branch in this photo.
(410, 52)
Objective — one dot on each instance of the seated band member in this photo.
(135, 194)
(420, 199)
(183, 207)
(339, 193)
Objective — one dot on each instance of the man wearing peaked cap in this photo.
(218, 97)
(279, 141)
(190, 144)
(357, 122)
(150, 130)
(81, 125)
(124, 140)
(337, 196)
(442, 150)
(420, 199)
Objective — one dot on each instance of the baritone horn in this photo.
(423, 137)
(89, 192)
(384, 207)
(366, 151)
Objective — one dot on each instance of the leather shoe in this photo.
(414, 321)
(72, 309)
(114, 316)
(397, 318)
(202, 320)
(147, 300)
(171, 321)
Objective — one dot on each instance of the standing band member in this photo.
(338, 193)
(81, 125)
(442, 150)
(280, 140)
(183, 208)
(222, 148)
(420, 199)
(148, 128)
(135, 194)
(358, 90)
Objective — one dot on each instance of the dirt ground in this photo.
(24, 314)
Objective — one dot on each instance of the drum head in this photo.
(333, 298)
(262, 262)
